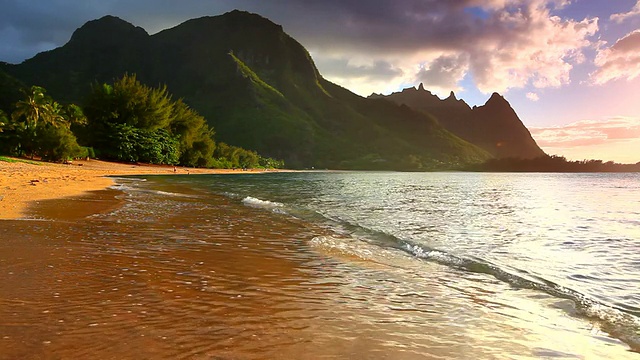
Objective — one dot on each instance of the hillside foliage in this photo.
(259, 88)
(40, 126)
(553, 163)
(124, 121)
(256, 85)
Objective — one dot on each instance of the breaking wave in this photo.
(264, 204)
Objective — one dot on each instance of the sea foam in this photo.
(263, 204)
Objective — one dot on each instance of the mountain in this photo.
(10, 91)
(257, 87)
(495, 126)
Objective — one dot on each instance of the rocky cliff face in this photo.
(495, 126)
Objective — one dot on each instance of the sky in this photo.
(570, 68)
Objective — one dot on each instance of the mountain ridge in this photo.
(258, 87)
(494, 126)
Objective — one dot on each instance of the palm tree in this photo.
(55, 114)
(73, 115)
(36, 107)
(33, 108)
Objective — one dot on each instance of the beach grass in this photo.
(13, 160)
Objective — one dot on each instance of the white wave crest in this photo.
(121, 187)
(265, 204)
(435, 255)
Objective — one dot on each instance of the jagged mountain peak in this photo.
(493, 123)
(496, 100)
(258, 88)
(452, 97)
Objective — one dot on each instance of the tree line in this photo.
(124, 121)
(552, 163)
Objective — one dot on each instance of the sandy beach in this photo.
(24, 183)
(213, 267)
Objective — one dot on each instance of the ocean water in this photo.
(362, 265)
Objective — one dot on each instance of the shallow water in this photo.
(329, 265)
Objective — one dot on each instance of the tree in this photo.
(36, 106)
(131, 144)
(57, 143)
(73, 114)
(122, 116)
(129, 102)
(28, 112)
(9, 142)
(4, 121)
(129, 121)
(194, 135)
(41, 126)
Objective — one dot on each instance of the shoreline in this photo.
(26, 182)
(208, 276)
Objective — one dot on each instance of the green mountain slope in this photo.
(257, 87)
(10, 92)
(495, 126)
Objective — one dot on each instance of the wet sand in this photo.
(73, 288)
(231, 283)
(22, 183)
(156, 276)
(80, 287)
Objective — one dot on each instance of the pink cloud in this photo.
(620, 17)
(588, 132)
(620, 61)
(443, 73)
(540, 49)
(501, 44)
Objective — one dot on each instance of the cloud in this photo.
(530, 46)
(533, 96)
(505, 43)
(620, 61)
(443, 73)
(367, 75)
(343, 67)
(588, 133)
(28, 27)
(621, 17)
(501, 44)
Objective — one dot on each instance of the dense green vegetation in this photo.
(552, 164)
(259, 88)
(39, 126)
(124, 121)
(253, 83)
